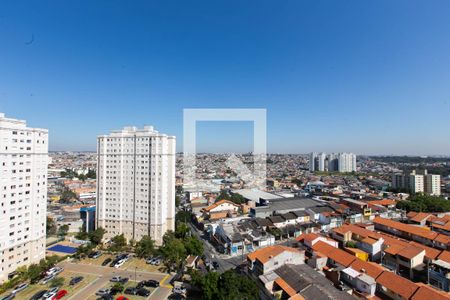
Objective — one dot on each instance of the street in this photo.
(225, 261)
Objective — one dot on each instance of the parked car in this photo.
(47, 279)
(54, 271)
(48, 296)
(119, 263)
(122, 298)
(115, 290)
(143, 292)
(75, 280)
(154, 261)
(150, 283)
(102, 292)
(59, 295)
(38, 295)
(50, 293)
(215, 265)
(107, 297)
(179, 290)
(130, 291)
(119, 279)
(19, 288)
(9, 297)
(106, 261)
(95, 254)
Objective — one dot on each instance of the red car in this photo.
(59, 295)
(122, 298)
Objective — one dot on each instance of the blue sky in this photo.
(364, 76)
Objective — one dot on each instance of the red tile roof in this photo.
(397, 284)
(265, 254)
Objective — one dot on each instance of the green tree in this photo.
(96, 236)
(51, 226)
(118, 242)
(424, 203)
(82, 234)
(118, 286)
(193, 246)
(210, 286)
(57, 282)
(174, 254)
(34, 273)
(145, 247)
(63, 230)
(83, 250)
(181, 230)
(228, 285)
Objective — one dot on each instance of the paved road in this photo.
(106, 273)
(225, 261)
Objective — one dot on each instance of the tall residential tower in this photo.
(23, 194)
(136, 183)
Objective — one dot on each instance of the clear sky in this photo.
(369, 77)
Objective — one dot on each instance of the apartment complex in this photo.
(418, 182)
(136, 183)
(23, 194)
(333, 162)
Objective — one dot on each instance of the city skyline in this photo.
(366, 78)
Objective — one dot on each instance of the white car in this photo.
(50, 294)
(47, 279)
(119, 263)
(54, 271)
(20, 287)
(179, 290)
(102, 292)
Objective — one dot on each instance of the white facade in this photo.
(23, 194)
(347, 162)
(333, 162)
(136, 183)
(416, 183)
(432, 184)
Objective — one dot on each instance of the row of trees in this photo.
(424, 203)
(52, 229)
(68, 173)
(33, 273)
(236, 198)
(225, 286)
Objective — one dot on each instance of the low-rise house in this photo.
(361, 282)
(270, 258)
(439, 272)
(221, 209)
(395, 287)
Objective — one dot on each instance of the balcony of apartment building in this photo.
(439, 275)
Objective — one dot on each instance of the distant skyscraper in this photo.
(333, 162)
(23, 194)
(418, 182)
(312, 161)
(432, 184)
(346, 162)
(136, 183)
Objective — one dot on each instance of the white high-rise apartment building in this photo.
(23, 194)
(346, 162)
(333, 162)
(432, 184)
(416, 183)
(317, 162)
(136, 183)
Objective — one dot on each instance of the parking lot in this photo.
(96, 277)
